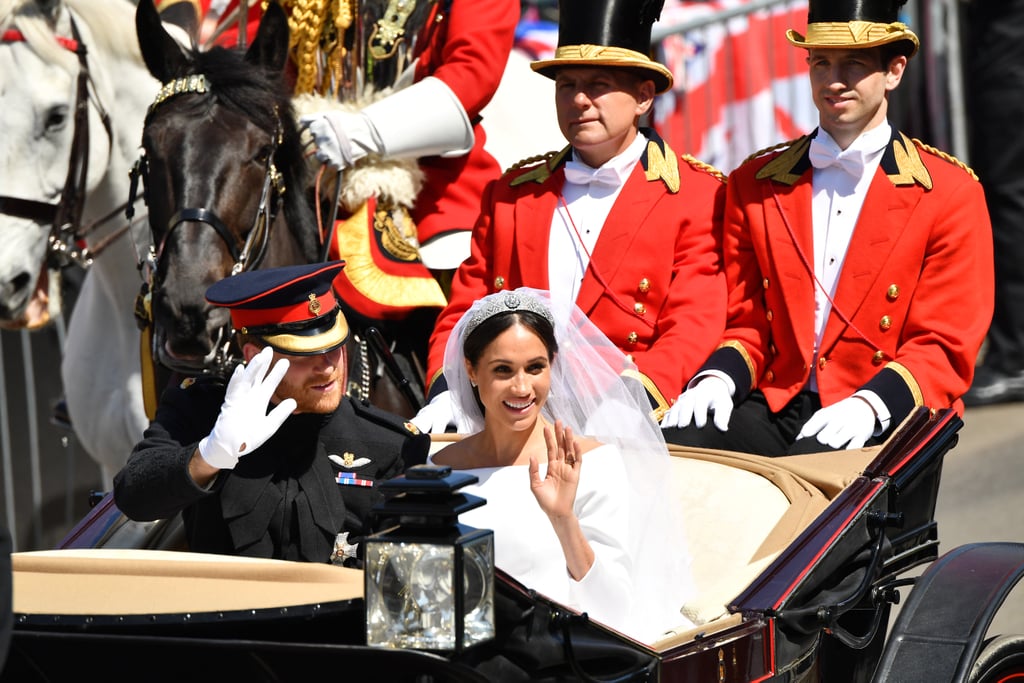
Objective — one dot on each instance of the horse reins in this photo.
(65, 215)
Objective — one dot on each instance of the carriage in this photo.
(798, 562)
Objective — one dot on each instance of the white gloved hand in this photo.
(846, 424)
(710, 394)
(244, 424)
(442, 127)
(436, 415)
(341, 137)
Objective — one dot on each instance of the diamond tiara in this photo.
(506, 302)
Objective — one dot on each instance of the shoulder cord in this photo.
(810, 271)
(592, 266)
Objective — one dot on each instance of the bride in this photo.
(584, 520)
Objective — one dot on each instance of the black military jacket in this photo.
(315, 478)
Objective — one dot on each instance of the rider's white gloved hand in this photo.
(436, 415)
(710, 394)
(341, 137)
(244, 424)
(442, 127)
(847, 424)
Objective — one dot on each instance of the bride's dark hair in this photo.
(487, 331)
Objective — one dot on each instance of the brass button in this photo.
(499, 283)
(892, 293)
(645, 285)
(639, 308)
(632, 338)
(769, 377)
(878, 358)
(769, 315)
(885, 323)
(822, 362)
(772, 350)
(764, 283)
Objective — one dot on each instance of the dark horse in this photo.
(228, 189)
(222, 158)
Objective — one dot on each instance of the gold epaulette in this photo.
(704, 166)
(769, 150)
(943, 155)
(539, 173)
(781, 168)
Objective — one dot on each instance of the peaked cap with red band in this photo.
(293, 308)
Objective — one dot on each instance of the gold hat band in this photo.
(853, 34)
(605, 55)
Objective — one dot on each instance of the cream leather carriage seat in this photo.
(739, 511)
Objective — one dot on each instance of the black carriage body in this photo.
(818, 612)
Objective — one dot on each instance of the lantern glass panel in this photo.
(409, 598)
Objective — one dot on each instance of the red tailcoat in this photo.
(468, 51)
(659, 293)
(914, 297)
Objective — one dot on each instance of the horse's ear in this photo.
(49, 9)
(270, 49)
(164, 56)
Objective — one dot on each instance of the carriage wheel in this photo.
(1001, 661)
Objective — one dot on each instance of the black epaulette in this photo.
(383, 418)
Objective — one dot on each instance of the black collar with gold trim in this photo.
(901, 162)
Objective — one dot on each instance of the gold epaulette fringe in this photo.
(943, 155)
(547, 156)
(704, 166)
(769, 150)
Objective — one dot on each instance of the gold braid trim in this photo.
(704, 166)
(658, 411)
(908, 377)
(781, 167)
(943, 155)
(740, 349)
(767, 150)
(316, 29)
(531, 160)
(541, 172)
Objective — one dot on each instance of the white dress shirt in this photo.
(577, 221)
(839, 191)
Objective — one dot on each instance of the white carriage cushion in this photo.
(122, 582)
(741, 510)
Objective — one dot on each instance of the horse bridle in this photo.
(248, 254)
(65, 215)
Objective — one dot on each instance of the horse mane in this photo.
(108, 23)
(261, 96)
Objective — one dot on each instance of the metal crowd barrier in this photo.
(46, 477)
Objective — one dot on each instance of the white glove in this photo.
(436, 415)
(386, 127)
(243, 424)
(341, 137)
(709, 394)
(847, 424)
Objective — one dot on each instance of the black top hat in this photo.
(855, 24)
(293, 308)
(607, 33)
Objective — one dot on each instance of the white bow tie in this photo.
(823, 156)
(581, 174)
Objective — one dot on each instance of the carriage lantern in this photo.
(429, 580)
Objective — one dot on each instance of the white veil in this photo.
(594, 390)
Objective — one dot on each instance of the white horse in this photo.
(40, 86)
